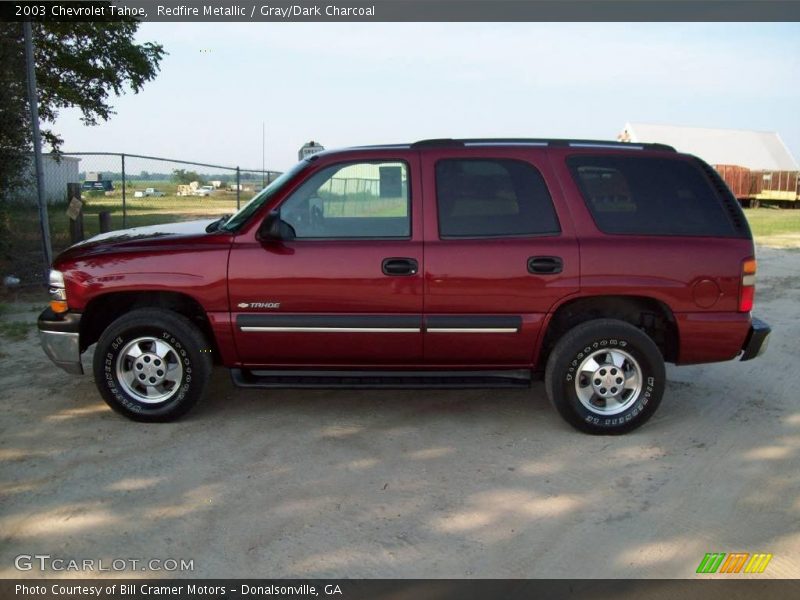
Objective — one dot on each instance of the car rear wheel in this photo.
(152, 365)
(605, 377)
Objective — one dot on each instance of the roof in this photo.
(62, 158)
(757, 150)
(544, 142)
(52, 157)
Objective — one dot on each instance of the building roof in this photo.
(51, 157)
(756, 150)
(62, 158)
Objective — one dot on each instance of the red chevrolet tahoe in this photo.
(437, 264)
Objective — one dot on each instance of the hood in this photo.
(151, 231)
(138, 235)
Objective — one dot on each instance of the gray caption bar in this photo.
(419, 10)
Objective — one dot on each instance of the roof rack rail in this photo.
(437, 143)
(458, 143)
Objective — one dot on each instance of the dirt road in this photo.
(410, 484)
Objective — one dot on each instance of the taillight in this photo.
(747, 290)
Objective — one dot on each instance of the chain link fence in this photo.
(134, 190)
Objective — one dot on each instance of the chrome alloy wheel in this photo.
(608, 381)
(149, 370)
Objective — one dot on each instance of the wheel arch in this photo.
(651, 315)
(104, 309)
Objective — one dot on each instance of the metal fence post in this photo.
(33, 102)
(238, 187)
(124, 206)
(105, 221)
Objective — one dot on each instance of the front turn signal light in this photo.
(58, 306)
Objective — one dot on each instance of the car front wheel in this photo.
(152, 365)
(605, 377)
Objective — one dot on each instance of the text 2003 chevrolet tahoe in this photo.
(443, 263)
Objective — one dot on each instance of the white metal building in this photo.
(756, 150)
(56, 177)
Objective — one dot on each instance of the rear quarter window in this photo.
(650, 196)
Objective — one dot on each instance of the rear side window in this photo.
(650, 196)
(492, 198)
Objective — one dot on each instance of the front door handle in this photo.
(545, 265)
(399, 266)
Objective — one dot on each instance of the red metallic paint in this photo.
(477, 276)
(490, 275)
(711, 337)
(194, 265)
(330, 277)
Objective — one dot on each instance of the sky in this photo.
(347, 84)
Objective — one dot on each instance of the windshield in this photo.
(252, 207)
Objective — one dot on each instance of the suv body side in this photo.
(477, 285)
(466, 287)
(472, 304)
(699, 284)
(327, 302)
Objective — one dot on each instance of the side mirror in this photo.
(273, 229)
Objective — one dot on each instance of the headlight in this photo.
(56, 279)
(58, 292)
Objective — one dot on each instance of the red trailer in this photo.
(738, 179)
(753, 187)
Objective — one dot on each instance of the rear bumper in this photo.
(757, 340)
(60, 338)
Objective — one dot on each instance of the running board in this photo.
(257, 378)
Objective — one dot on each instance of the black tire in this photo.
(592, 339)
(189, 354)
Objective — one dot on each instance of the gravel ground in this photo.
(410, 484)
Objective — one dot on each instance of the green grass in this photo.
(368, 206)
(765, 222)
(16, 331)
(22, 248)
(145, 211)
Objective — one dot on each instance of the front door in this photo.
(499, 254)
(346, 291)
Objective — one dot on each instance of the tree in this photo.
(77, 65)
(183, 176)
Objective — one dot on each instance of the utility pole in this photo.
(33, 101)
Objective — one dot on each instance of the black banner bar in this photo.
(407, 10)
(382, 589)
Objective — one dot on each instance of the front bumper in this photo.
(755, 344)
(60, 337)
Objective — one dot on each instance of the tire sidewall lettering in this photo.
(110, 378)
(633, 412)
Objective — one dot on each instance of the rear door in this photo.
(499, 253)
(347, 290)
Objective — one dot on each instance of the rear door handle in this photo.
(399, 266)
(545, 265)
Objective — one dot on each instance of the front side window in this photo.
(492, 198)
(353, 200)
(260, 199)
(649, 196)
